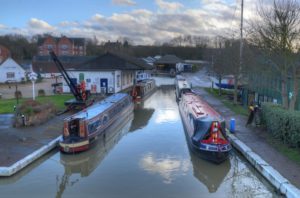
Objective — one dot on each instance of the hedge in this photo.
(283, 124)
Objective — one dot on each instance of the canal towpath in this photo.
(254, 138)
(18, 143)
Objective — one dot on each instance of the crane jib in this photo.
(66, 77)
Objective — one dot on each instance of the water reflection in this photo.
(154, 162)
(212, 175)
(168, 167)
(85, 163)
(141, 117)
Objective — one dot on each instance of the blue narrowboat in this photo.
(205, 128)
(83, 128)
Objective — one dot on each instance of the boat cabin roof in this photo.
(199, 108)
(183, 84)
(98, 107)
(145, 82)
(179, 77)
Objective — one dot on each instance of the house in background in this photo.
(109, 73)
(62, 46)
(11, 71)
(4, 53)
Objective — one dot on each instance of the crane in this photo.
(78, 91)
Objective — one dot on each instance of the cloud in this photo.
(168, 167)
(124, 2)
(2, 26)
(211, 18)
(168, 6)
(39, 25)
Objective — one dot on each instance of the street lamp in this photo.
(32, 76)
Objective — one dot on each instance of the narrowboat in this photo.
(85, 163)
(182, 86)
(143, 89)
(205, 128)
(83, 128)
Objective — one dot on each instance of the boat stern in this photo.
(73, 147)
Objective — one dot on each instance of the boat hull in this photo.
(213, 156)
(75, 147)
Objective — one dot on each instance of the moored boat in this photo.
(205, 128)
(143, 89)
(83, 128)
(182, 86)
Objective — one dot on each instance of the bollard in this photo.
(232, 125)
(23, 119)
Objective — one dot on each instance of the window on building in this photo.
(50, 47)
(118, 81)
(10, 75)
(64, 47)
(123, 80)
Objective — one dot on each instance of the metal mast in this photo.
(241, 38)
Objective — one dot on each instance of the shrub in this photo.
(41, 92)
(35, 112)
(195, 68)
(283, 124)
(18, 94)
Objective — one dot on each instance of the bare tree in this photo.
(277, 33)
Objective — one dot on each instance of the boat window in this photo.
(92, 127)
(105, 119)
(73, 127)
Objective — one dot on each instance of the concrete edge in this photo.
(19, 165)
(280, 183)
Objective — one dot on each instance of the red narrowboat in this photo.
(143, 89)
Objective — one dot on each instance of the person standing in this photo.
(251, 113)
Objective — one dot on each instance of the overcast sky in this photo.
(143, 21)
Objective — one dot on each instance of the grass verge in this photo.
(292, 153)
(7, 105)
(238, 109)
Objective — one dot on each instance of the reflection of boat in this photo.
(211, 175)
(83, 128)
(141, 118)
(143, 89)
(182, 86)
(205, 128)
(85, 163)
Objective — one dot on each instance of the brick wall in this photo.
(62, 46)
(4, 53)
(65, 46)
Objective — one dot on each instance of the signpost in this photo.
(33, 76)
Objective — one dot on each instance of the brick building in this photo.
(62, 46)
(4, 53)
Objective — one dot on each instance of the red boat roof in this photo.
(198, 107)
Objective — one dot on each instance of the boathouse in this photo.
(109, 73)
(167, 64)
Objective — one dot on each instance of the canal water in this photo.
(145, 156)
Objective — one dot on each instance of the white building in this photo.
(109, 73)
(10, 71)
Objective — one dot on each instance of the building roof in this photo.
(45, 64)
(11, 62)
(114, 61)
(169, 59)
